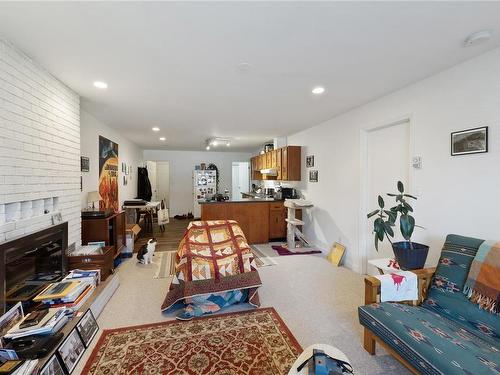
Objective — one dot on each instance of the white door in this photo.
(240, 178)
(151, 165)
(388, 161)
(163, 181)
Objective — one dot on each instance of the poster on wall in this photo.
(108, 174)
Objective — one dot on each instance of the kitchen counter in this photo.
(260, 219)
(244, 200)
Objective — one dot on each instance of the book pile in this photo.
(71, 292)
(51, 323)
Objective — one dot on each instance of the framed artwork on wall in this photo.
(313, 176)
(310, 161)
(84, 164)
(470, 141)
(108, 174)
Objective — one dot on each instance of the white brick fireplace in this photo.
(39, 148)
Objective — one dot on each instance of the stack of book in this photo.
(72, 292)
(50, 324)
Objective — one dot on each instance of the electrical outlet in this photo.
(417, 162)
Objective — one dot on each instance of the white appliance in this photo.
(204, 183)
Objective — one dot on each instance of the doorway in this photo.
(240, 178)
(385, 159)
(159, 177)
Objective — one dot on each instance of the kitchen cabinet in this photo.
(286, 161)
(277, 220)
(252, 217)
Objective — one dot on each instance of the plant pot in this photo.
(410, 258)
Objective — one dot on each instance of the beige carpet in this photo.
(317, 301)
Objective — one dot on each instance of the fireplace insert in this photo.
(29, 263)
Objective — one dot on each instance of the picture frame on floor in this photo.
(470, 141)
(87, 327)
(52, 367)
(71, 350)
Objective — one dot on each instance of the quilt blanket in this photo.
(483, 283)
(213, 257)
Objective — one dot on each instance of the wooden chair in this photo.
(372, 295)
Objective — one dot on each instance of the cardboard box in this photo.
(131, 232)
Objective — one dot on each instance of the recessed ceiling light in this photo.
(155, 129)
(477, 38)
(101, 85)
(207, 148)
(162, 138)
(318, 90)
(228, 143)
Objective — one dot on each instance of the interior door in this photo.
(163, 181)
(388, 153)
(151, 166)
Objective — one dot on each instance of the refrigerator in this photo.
(204, 183)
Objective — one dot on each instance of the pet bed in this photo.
(215, 267)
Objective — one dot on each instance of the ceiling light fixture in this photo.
(101, 85)
(217, 141)
(155, 129)
(477, 38)
(318, 90)
(162, 138)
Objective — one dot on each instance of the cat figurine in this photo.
(146, 252)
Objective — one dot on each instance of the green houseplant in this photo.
(410, 255)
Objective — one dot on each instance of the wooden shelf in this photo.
(96, 302)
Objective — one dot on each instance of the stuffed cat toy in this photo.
(146, 252)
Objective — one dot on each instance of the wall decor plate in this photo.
(470, 141)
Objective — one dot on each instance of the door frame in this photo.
(364, 204)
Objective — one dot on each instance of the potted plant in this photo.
(409, 255)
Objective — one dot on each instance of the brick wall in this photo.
(39, 148)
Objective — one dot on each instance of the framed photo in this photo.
(71, 350)
(87, 327)
(57, 218)
(310, 161)
(10, 319)
(470, 141)
(313, 176)
(84, 164)
(52, 367)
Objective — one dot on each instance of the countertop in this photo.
(244, 200)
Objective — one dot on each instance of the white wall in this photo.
(457, 194)
(181, 173)
(128, 152)
(39, 147)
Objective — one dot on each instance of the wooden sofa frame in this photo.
(372, 295)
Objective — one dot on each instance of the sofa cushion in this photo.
(445, 295)
(430, 342)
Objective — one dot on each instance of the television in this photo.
(29, 263)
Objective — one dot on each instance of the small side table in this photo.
(382, 265)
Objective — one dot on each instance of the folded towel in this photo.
(483, 284)
(398, 286)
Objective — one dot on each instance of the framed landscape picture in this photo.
(71, 350)
(52, 367)
(87, 327)
(470, 141)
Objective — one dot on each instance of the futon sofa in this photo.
(443, 332)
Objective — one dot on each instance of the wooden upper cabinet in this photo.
(292, 163)
(285, 160)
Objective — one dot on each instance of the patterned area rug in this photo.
(253, 342)
(165, 262)
(261, 258)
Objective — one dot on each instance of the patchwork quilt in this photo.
(213, 258)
